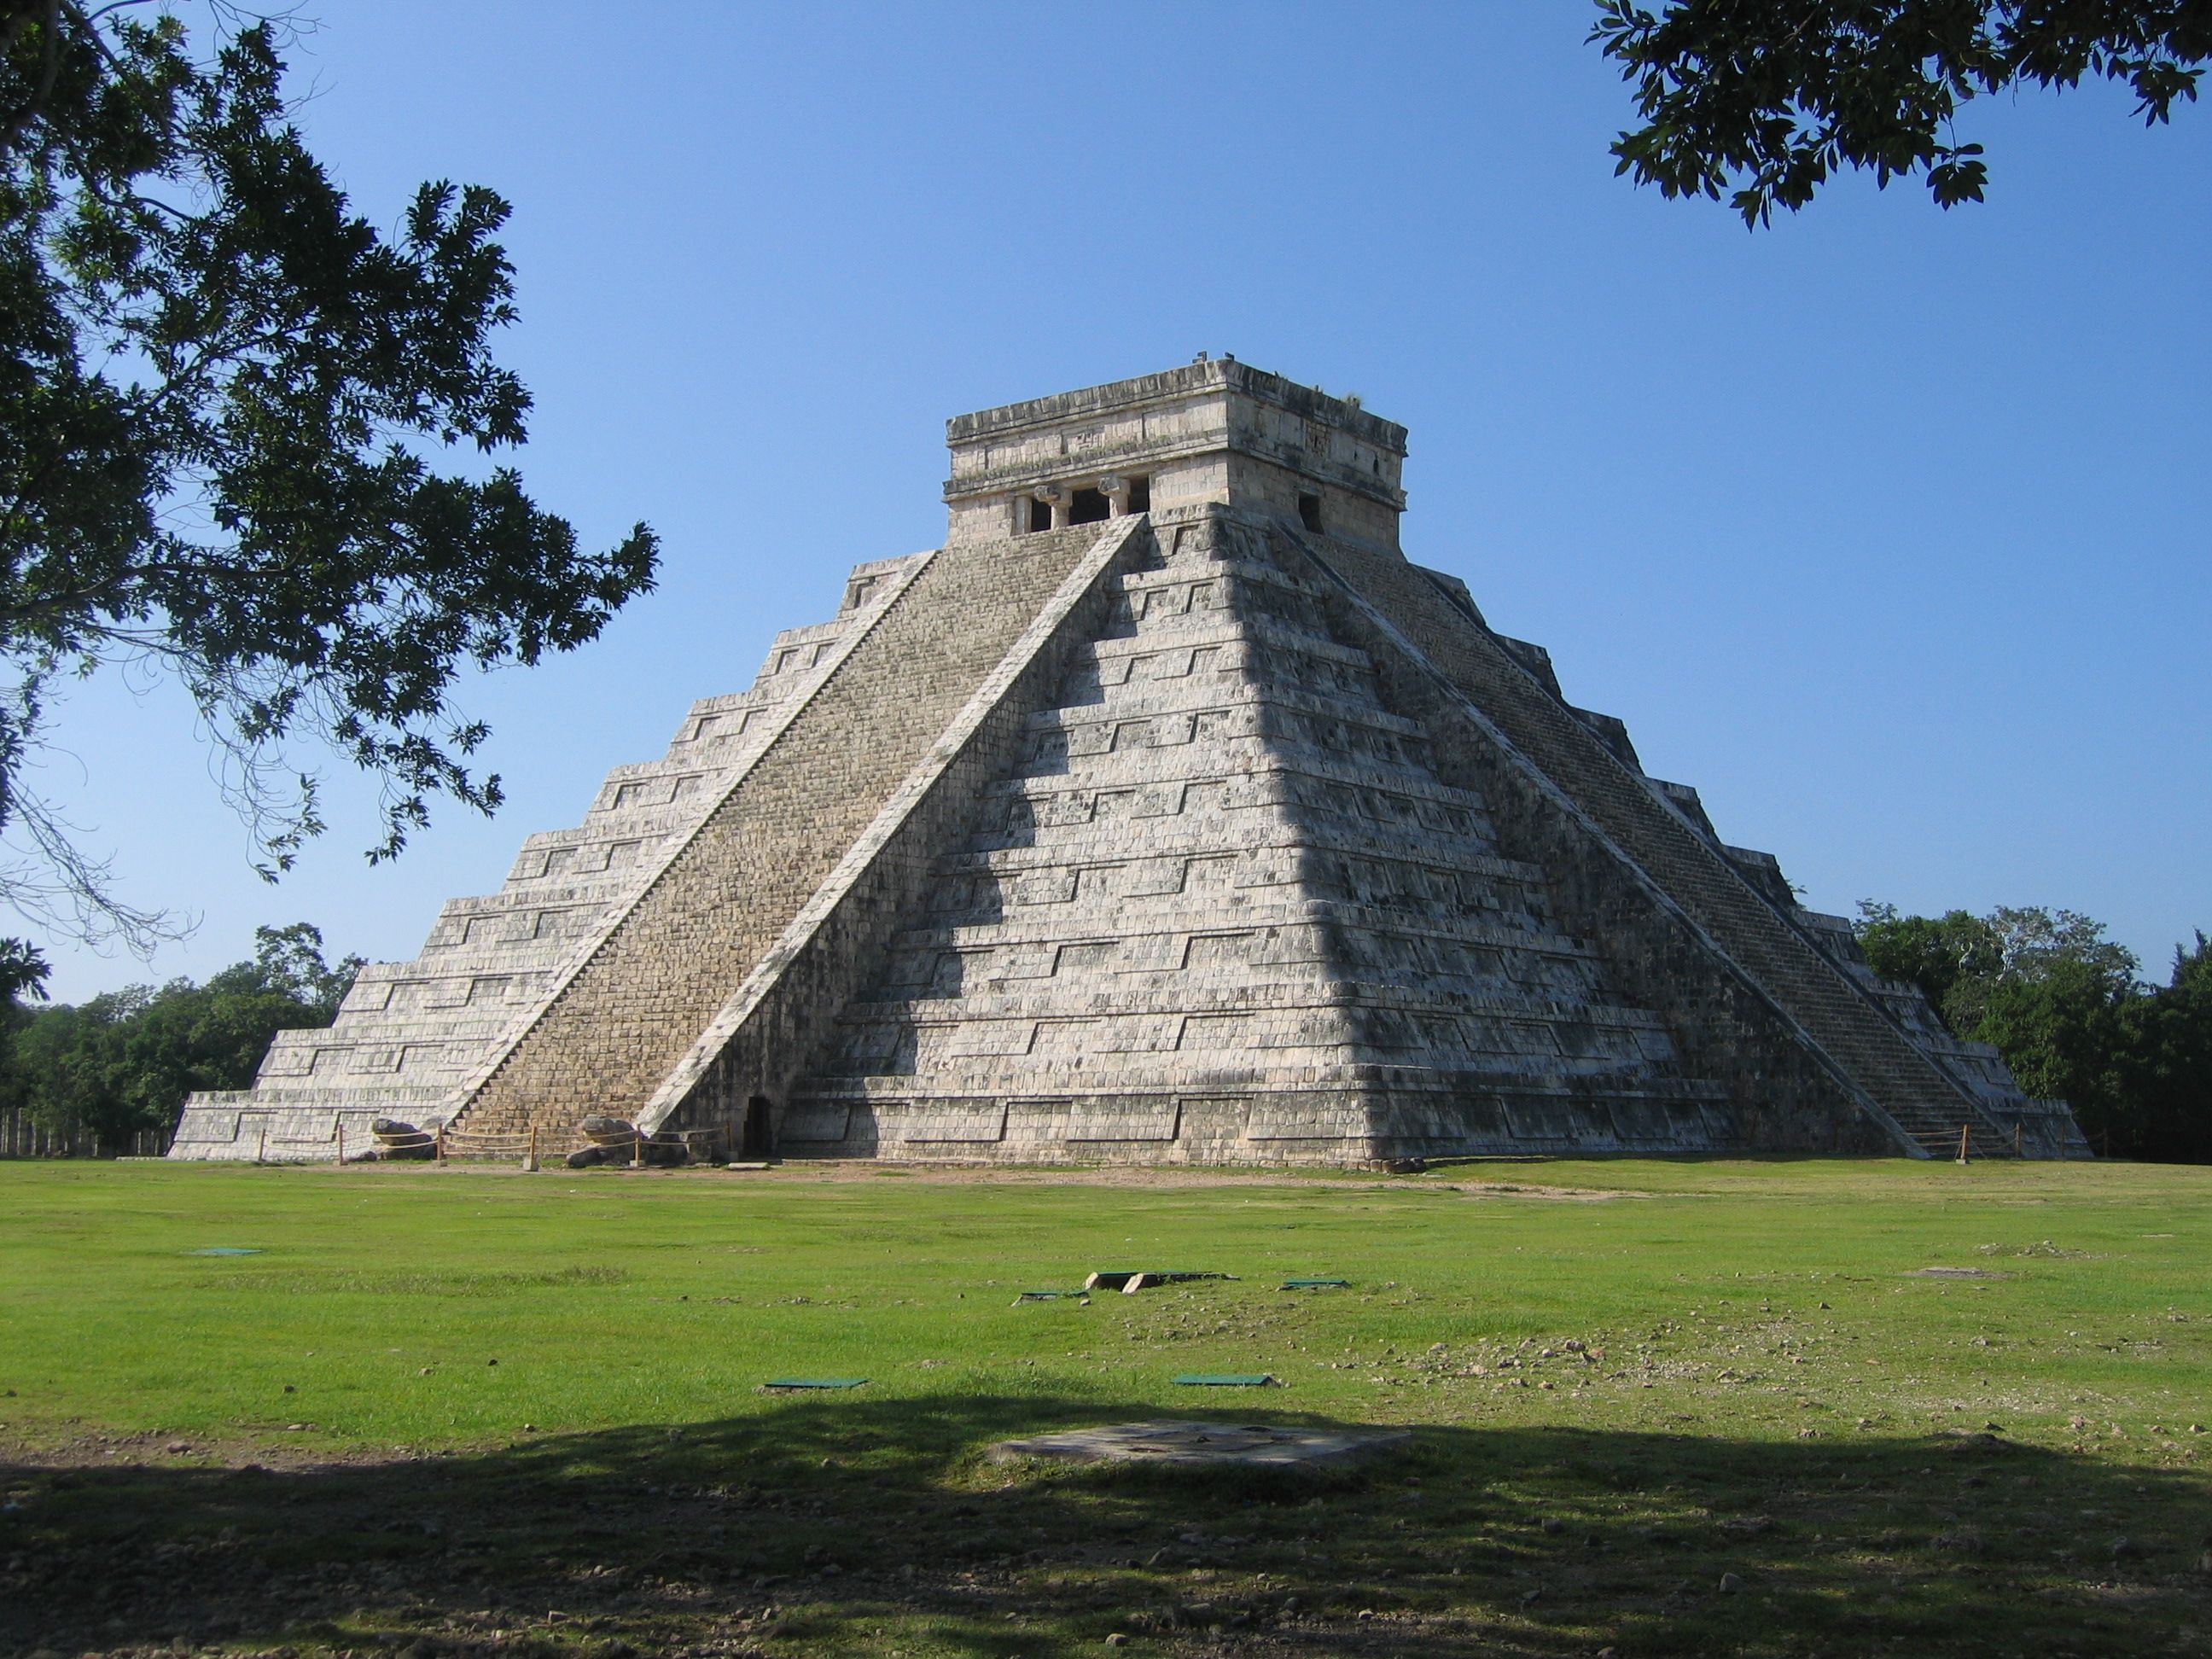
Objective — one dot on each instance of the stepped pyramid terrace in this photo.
(1165, 813)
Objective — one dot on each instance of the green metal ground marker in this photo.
(227, 1249)
(1225, 1380)
(794, 1383)
(1050, 1296)
(1316, 1284)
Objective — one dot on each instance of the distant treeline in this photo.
(2072, 1016)
(111, 1069)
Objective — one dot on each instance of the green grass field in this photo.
(1686, 1408)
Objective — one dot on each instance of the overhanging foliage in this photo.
(222, 393)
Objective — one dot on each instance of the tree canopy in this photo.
(1763, 99)
(222, 396)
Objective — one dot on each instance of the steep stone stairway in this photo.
(1928, 1106)
(633, 1006)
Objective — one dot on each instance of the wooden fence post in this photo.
(530, 1157)
(1962, 1143)
(261, 1152)
(438, 1144)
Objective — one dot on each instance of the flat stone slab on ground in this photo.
(1256, 1445)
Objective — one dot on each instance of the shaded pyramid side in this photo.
(1790, 1026)
(2034, 1127)
(1222, 908)
(411, 1033)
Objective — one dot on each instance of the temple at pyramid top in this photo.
(1216, 431)
(1167, 812)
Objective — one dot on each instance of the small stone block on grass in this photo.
(1316, 1284)
(1258, 1445)
(1129, 1282)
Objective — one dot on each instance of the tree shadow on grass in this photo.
(852, 1525)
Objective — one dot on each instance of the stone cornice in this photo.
(1135, 457)
(1220, 374)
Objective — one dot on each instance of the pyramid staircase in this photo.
(411, 1033)
(647, 998)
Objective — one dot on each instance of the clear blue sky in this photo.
(1886, 528)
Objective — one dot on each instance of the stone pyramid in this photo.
(1165, 813)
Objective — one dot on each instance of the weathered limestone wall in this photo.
(1261, 487)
